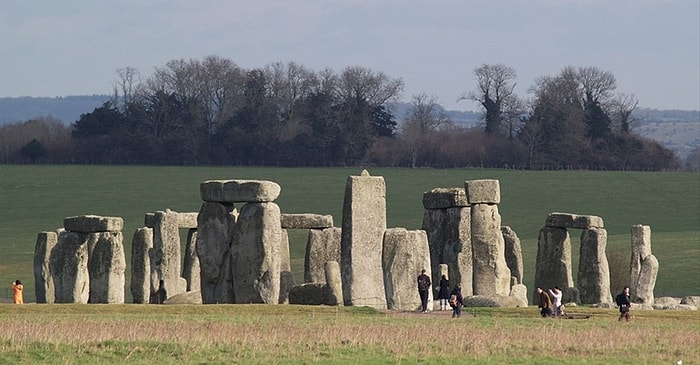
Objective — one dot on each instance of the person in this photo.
(456, 301)
(423, 288)
(444, 292)
(545, 304)
(556, 302)
(17, 289)
(623, 301)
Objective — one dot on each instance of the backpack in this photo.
(453, 300)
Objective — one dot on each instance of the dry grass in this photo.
(291, 334)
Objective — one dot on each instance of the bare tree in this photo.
(596, 84)
(128, 80)
(495, 86)
(621, 108)
(424, 117)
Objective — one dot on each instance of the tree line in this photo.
(213, 112)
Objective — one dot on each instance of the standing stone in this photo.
(644, 266)
(593, 269)
(191, 269)
(43, 282)
(449, 238)
(514, 255)
(334, 282)
(364, 223)
(166, 252)
(68, 266)
(322, 245)
(553, 263)
(405, 254)
(286, 275)
(141, 247)
(491, 273)
(215, 226)
(256, 254)
(106, 265)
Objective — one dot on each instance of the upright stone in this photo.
(256, 254)
(322, 245)
(43, 282)
(553, 263)
(286, 275)
(141, 247)
(364, 223)
(405, 254)
(514, 255)
(593, 268)
(215, 226)
(191, 269)
(166, 252)
(334, 282)
(491, 273)
(644, 266)
(106, 266)
(68, 266)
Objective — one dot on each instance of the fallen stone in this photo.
(189, 297)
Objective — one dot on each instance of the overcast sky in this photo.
(59, 48)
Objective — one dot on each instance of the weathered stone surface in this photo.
(693, 300)
(141, 247)
(322, 245)
(492, 301)
(485, 191)
(567, 220)
(68, 266)
(166, 264)
(444, 270)
(191, 269)
(666, 301)
(449, 240)
(306, 221)
(190, 297)
(187, 220)
(286, 276)
(519, 291)
(256, 254)
(405, 254)
(93, 223)
(106, 266)
(443, 198)
(570, 295)
(215, 226)
(593, 268)
(43, 282)
(334, 283)
(239, 191)
(149, 219)
(514, 254)
(644, 266)
(309, 294)
(364, 222)
(491, 273)
(553, 263)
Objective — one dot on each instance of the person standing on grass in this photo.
(556, 302)
(17, 289)
(545, 304)
(423, 288)
(623, 301)
(444, 292)
(456, 301)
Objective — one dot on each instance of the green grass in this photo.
(37, 198)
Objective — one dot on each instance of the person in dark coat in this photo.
(545, 303)
(623, 301)
(423, 289)
(458, 301)
(444, 292)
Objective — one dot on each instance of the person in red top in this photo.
(17, 289)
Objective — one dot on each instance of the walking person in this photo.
(545, 303)
(423, 288)
(456, 301)
(556, 301)
(17, 289)
(444, 292)
(623, 301)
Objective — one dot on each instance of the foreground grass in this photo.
(256, 334)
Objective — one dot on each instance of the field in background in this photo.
(37, 198)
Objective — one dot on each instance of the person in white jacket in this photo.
(556, 301)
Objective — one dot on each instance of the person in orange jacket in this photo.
(17, 289)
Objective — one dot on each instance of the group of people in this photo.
(552, 307)
(447, 297)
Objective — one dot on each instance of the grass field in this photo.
(37, 198)
(265, 334)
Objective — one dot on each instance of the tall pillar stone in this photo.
(141, 247)
(491, 273)
(514, 255)
(644, 266)
(286, 275)
(166, 253)
(106, 267)
(322, 245)
(593, 268)
(43, 282)
(334, 282)
(364, 223)
(405, 254)
(553, 263)
(215, 226)
(191, 268)
(68, 266)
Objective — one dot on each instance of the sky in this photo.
(67, 47)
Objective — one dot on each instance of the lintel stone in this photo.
(306, 221)
(444, 198)
(239, 191)
(487, 191)
(93, 223)
(567, 220)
